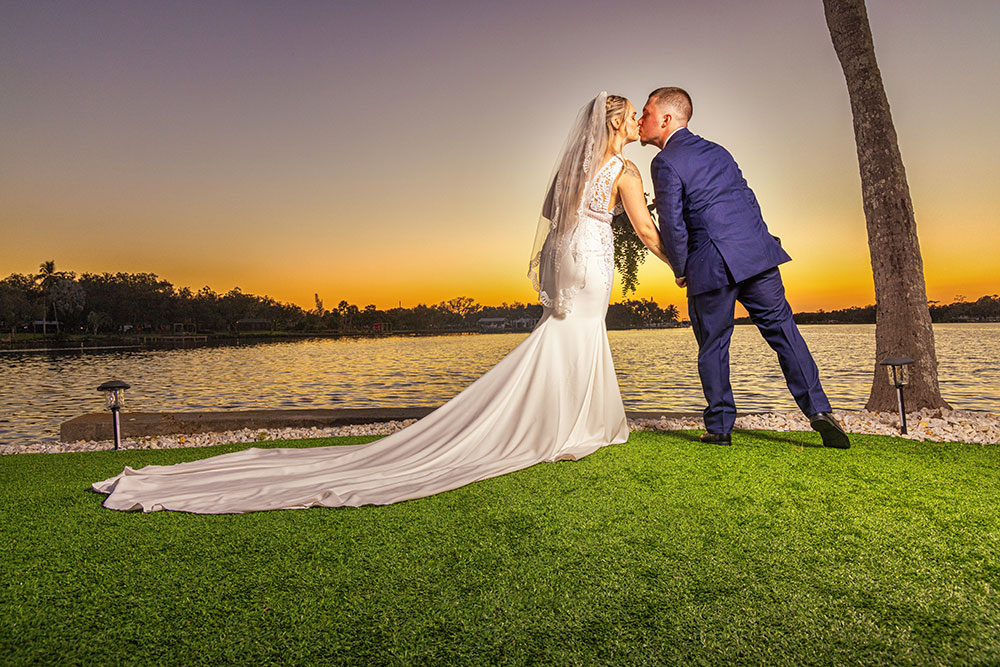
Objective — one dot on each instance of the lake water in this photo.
(656, 371)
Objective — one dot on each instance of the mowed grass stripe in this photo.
(661, 550)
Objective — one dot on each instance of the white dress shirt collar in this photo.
(672, 134)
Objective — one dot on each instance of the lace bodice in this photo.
(591, 244)
(593, 233)
(600, 193)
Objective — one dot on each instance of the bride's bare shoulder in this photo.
(631, 170)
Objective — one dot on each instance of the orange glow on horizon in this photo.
(212, 153)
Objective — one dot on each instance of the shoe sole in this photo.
(832, 436)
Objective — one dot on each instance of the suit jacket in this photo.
(710, 223)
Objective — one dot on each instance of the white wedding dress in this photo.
(554, 397)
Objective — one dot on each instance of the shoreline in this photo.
(169, 342)
(944, 426)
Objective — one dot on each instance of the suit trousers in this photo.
(712, 313)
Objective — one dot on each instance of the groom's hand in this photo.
(682, 281)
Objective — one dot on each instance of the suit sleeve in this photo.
(669, 209)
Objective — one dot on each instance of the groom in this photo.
(720, 249)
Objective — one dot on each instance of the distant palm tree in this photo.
(670, 312)
(903, 320)
(48, 277)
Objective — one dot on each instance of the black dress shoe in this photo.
(830, 429)
(717, 438)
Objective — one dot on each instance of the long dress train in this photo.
(554, 397)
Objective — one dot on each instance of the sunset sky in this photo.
(397, 152)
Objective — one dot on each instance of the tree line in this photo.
(61, 302)
(984, 309)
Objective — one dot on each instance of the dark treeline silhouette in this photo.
(985, 309)
(124, 302)
(639, 314)
(59, 302)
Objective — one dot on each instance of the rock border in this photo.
(966, 426)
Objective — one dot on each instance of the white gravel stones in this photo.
(938, 425)
(207, 439)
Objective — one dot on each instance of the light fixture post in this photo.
(114, 397)
(899, 376)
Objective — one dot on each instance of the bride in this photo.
(554, 397)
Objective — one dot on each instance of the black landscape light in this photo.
(114, 396)
(899, 376)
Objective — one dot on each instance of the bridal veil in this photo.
(555, 252)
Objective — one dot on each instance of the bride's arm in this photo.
(632, 198)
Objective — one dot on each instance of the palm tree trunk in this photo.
(903, 320)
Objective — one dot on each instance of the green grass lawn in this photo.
(661, 550)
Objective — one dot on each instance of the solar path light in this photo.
(899, 376)
(114, 397)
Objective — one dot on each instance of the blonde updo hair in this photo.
(614, 107)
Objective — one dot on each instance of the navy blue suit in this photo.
(715, 237)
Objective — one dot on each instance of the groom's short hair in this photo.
(676, 99)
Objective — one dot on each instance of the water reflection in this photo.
(656, 369)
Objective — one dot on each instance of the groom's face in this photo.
(651, 124)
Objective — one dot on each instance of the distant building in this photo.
(382, 327)
(43, 324)
(493, 324)
(524, 323)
